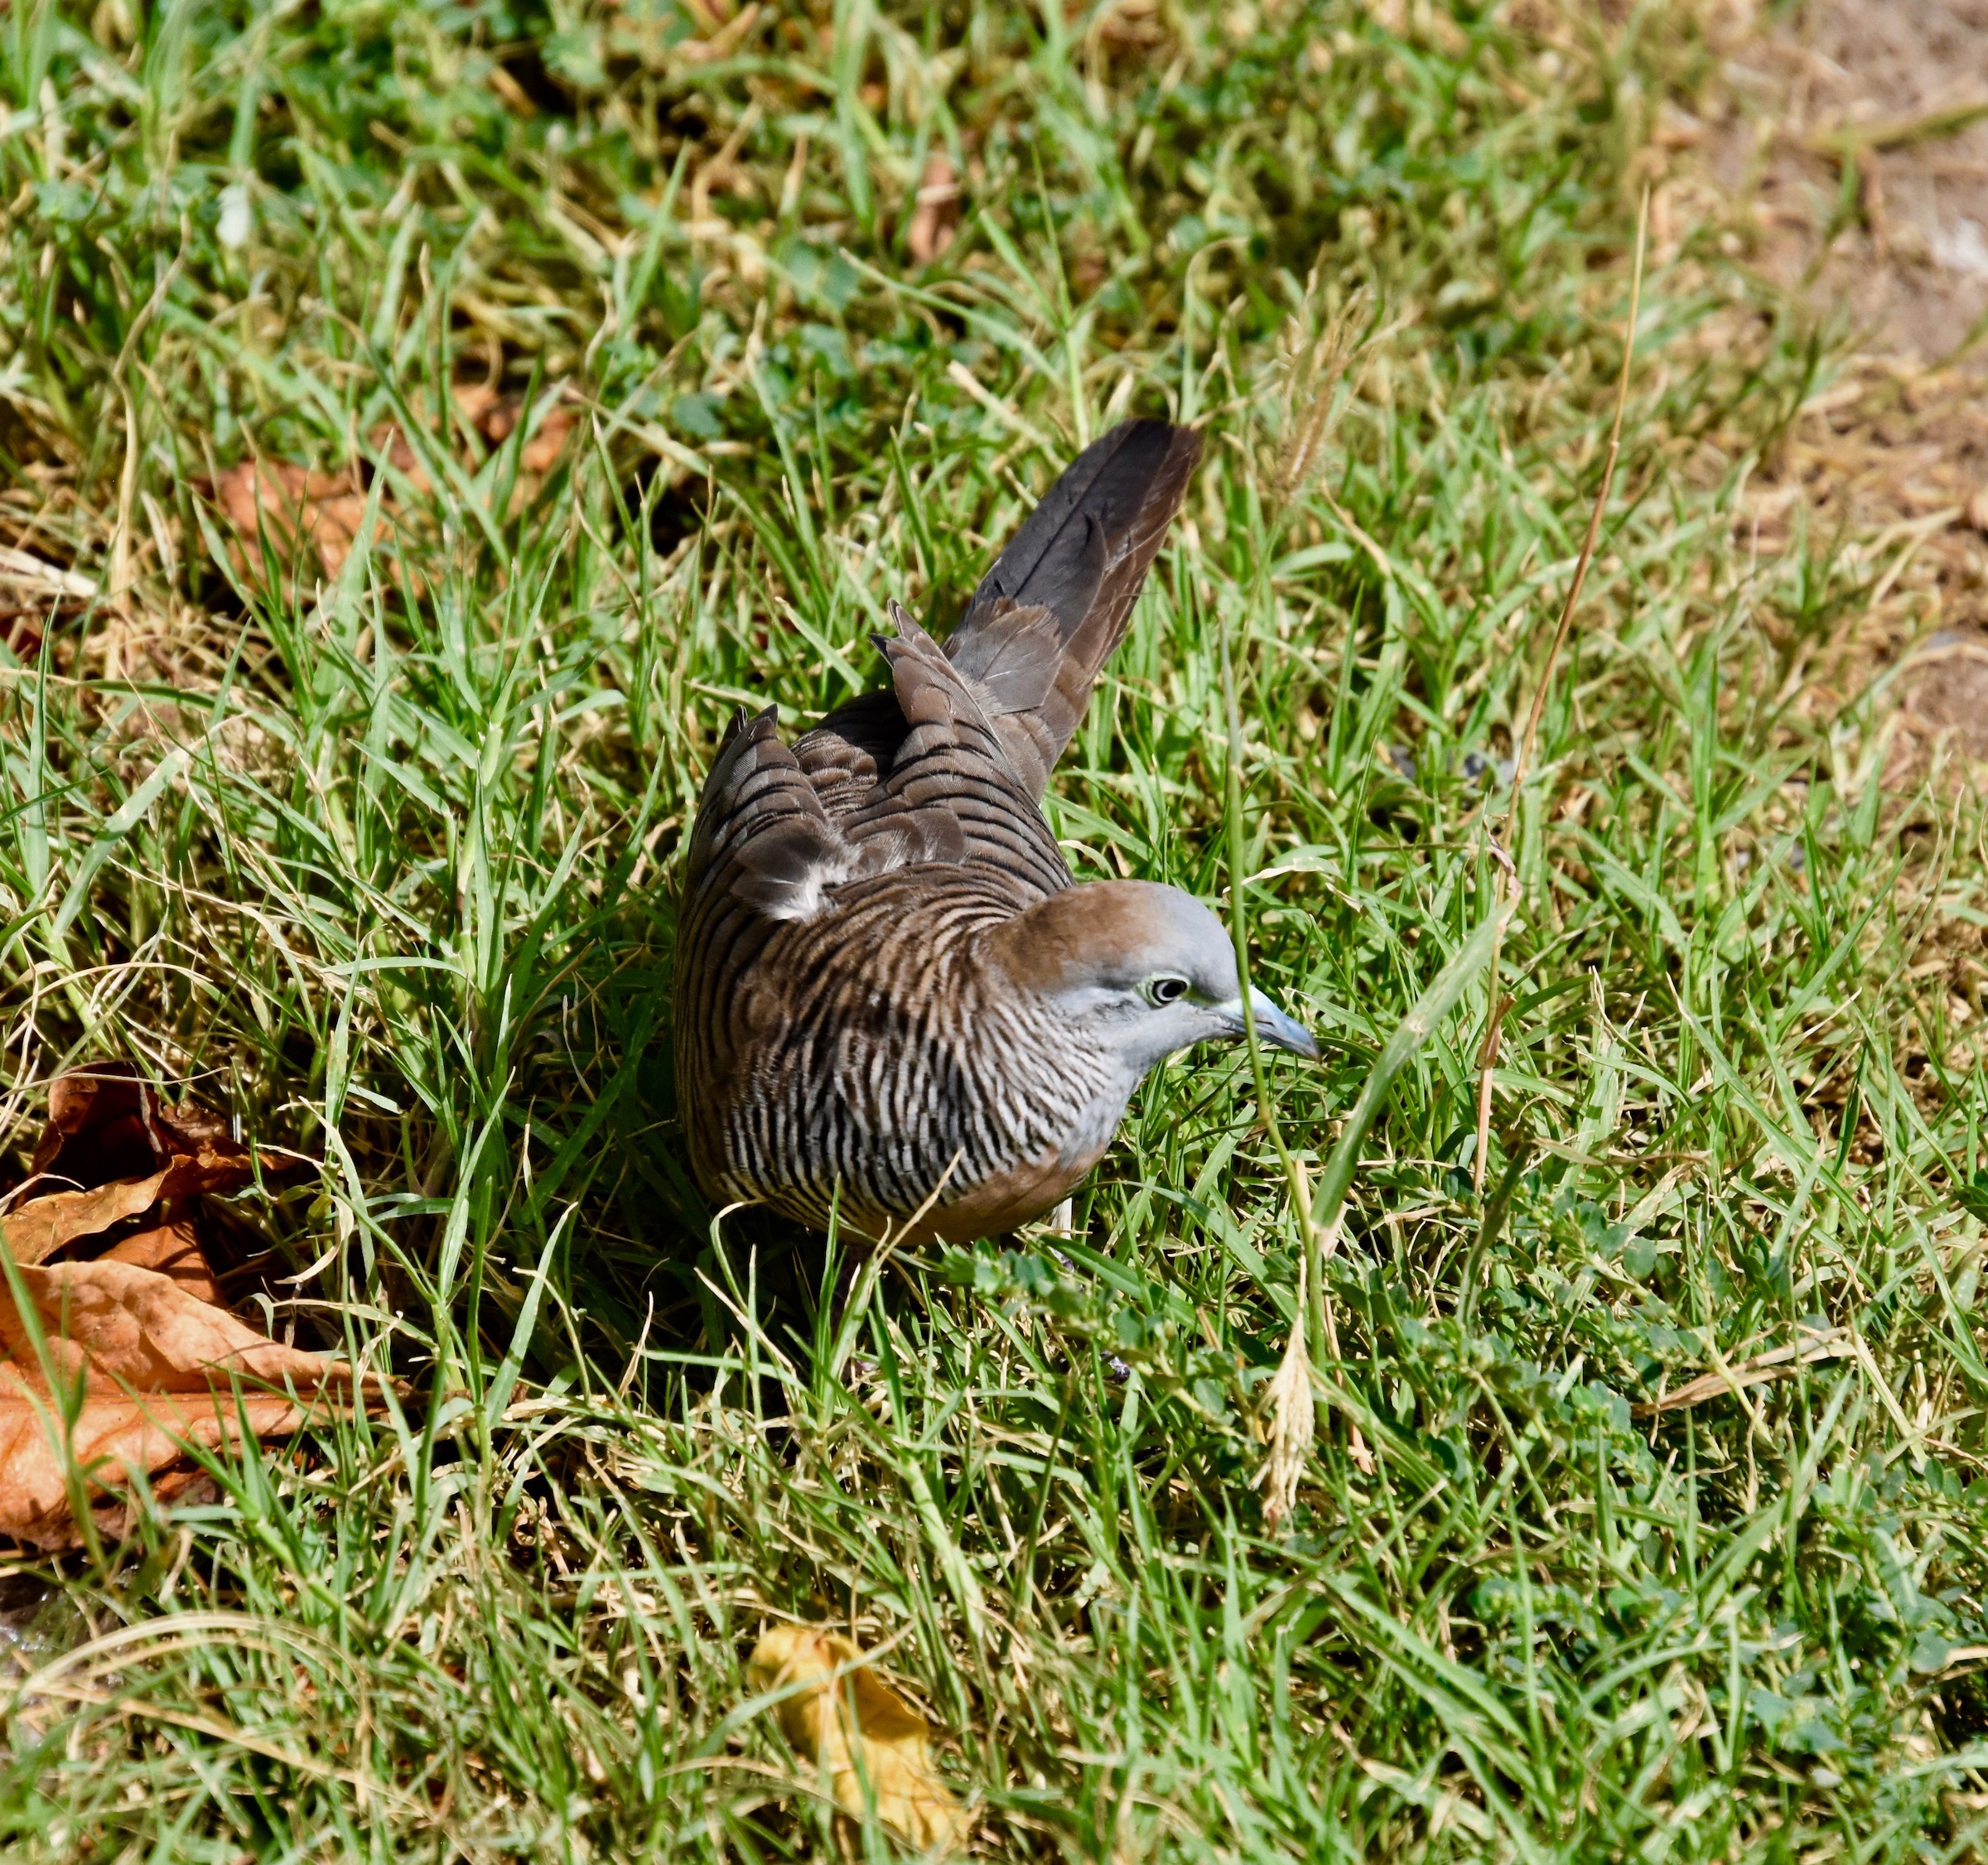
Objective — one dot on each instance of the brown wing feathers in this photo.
(949, 765)
(954, 764)
(762, 835)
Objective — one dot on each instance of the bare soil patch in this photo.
(1850, 141)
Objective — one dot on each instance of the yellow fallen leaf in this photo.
(860, 1730)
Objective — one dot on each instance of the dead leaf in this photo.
(174, 1251)
(114, 1323)
(496, 418)
(112, 1437)
(107, 1121)
(117, 1148)
(936, 216)
(43, 1225)
(293, 505)
(874, 1747)
(147, 1369)
(132, 1359)
(538, 454)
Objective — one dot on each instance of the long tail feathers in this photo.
(1048, 615)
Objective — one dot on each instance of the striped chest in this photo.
(869, 1062)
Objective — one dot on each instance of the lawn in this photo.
(609, 366)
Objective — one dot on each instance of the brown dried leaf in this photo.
(485, 408)
(496, 418)
(137, 1342)
(156, 1368)
(106, 1122)
(936, 216)
(115, 1324)
(117, 1149)
(113, 1437)
(173, 1250)
(876, 1748)
(539, 454)
(42, 1226)
(292, 504)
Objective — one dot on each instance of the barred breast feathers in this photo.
(900, 1063)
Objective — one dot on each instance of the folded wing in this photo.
(949, 765)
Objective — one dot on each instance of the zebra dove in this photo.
(892, 998)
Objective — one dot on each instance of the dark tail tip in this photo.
(1112, 504)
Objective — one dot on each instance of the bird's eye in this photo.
(1165, 990)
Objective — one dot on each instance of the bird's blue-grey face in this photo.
(1142, 970)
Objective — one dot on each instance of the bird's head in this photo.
(1142, 970)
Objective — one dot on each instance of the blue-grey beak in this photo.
(1273, 1027)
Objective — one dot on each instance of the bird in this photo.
(896, 1012)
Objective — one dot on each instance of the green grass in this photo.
(385, 865)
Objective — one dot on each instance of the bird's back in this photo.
(826, 1034)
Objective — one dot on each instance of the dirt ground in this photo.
(1874, 189)
(1850, 143)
